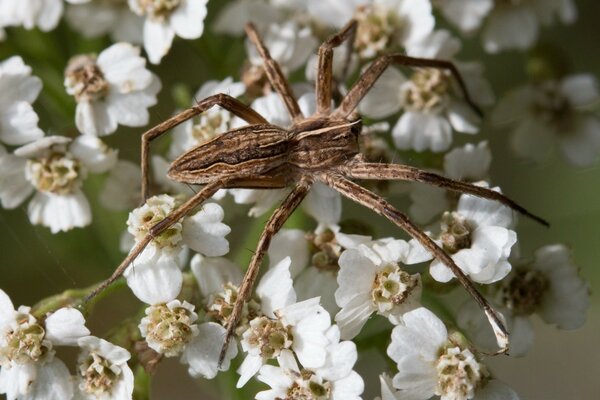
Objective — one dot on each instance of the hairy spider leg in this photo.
(325, 65)
(276, 77)
(273, 225)
(366, 81)
(381, 171)
(223, 100)
(382, 207)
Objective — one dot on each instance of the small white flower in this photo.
(30, 14)
(469, 163)
(111, 89)
(553, 111)
(167, 18)
(18, 89)
(549, 286)
(99, 17)
(102, 371)
(433, 105)
(332, 13)
(209, 124)
(236, 14)
(155, 276)
(28, 368)
(432, 363)
(371, 280)
(173, 329)
(54, 167)
(387, 24)
(478, 238)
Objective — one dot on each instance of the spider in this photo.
(320, 148)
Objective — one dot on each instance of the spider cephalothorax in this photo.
(318, 148)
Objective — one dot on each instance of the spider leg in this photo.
(370, 76)
(276, 77)
(207, 191)
(223, 100)
(376, 171)
(382, 207)
(325, 65)
(272, 226)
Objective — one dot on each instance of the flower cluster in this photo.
(313, 320)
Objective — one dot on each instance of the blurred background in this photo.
(35, 264)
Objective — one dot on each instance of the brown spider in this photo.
(320, 148)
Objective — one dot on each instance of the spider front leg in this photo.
(376, 171)
(206, 192)
(370, 76)
(325, 65)
(273, 225)
(275, 75)
(229, 103)
(382, 207)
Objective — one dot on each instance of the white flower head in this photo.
(479, 238)
(18, 89)
(553, 112)
(430, 362)
(54, 167)
(102, 370)
(155, 276)
(167, 18)
(469, 163)
(371, 279)
(43, 14)
(111, 89)
(387, 24)
(28, 368)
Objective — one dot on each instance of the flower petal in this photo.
(65, 327)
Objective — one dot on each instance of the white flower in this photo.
(28, 368)
(99, 17)
(172, 329)
(114, 88)
(165, 19)
(553, 111)
(289, 44)
(432, 363)
(102, 371)
(335, 380)
(54, 167)
(155, 276)
(549, 286)
(332, 13)
(236, 14)
(371, 279)
(18, 89)
(433, 105)
(478, 238)
(209, 124)
(43, 14)
(386, 24)
(469, 163)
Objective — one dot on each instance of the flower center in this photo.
(25, 343)
(143, 218)
(220, 307)
(378, 27)
(84, 79)
(428, 90)
(158, 9)
(308, 386)
(392, 286)
(459, 374)
(268, 337)
(553, 108)
(325, 250)
(57, 173)
(456, 232)
(524, 292)
(98, 374)
(211, 125)
(170, 328)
